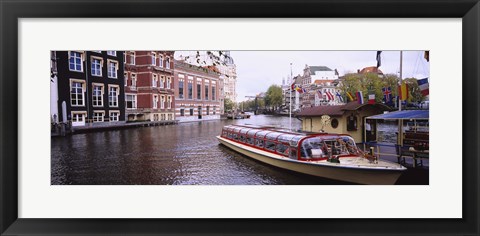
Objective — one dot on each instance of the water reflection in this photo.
(184, 154)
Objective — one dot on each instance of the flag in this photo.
(403, 91)
(293, 86)
(387, 94)
(349, 95)
(359, 97)
(340, 98)
(423, 84)
(371, 99)
(329, 96)
(379, 59)
(426, 55)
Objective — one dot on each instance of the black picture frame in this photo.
(11, 11)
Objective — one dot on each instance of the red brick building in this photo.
(149, 86)
(197, 94)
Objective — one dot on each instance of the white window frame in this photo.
(81, 54)
(110, 73)
(82, 113)
(167, 63)
(134, 80)
(153, 57)
(132, 58)
(160, 61)
(169, 81)
(162, 102)
(100, 102)
(95, 117)
(100, 64)
(155, 102)
(162, 81)
(154, 80)
(112, 53)
(82, 87)
(110, 115)
(169, 102)
(134, 101)
(115, 101)
(125, 77)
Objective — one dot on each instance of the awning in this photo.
(402, 115)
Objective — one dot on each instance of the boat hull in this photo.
(353, 175)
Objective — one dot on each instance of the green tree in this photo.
(370, 83)
(228, 104)
(274, 97)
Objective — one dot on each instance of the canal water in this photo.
(184, 154)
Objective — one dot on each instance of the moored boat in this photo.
(333, 156)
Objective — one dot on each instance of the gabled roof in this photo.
(337, 110)
(318, 68)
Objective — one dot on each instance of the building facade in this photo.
(149, 86)
(197, 93)
(90, 87)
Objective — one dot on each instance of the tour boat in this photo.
(333, 156)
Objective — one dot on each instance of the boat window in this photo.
(250, 140)
(230, 135)
(259, 143)
(282, 149)
(235, 136)
(242, 138)
(285, 138)
(313, 148)
(295, 140)
(244, 131)
(293, 153)
(270, 145)
(273, 135)
(237, 129)
(262, 134)
(251, 133)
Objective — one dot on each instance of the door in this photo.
(199, 112)
(78, 119)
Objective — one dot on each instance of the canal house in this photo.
(343, 119)
(149, 87)
(197, 93)
(90, 87)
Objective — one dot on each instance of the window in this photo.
(208, 110)
(97, 99)
(132, 58)
(162, 102)
(98, 116)
(191, 111)
(168, 82)
(113, 96)
(155, 101)
(76, 93)
(125, 77)
(190, 89)
(199, 91)
(75, 61)
(134, 80)
(154, 59)
(180, 89)
(213, 92)
(154, 80)
(114, 115)
(162, 81)
(167, 62)
(214, 110)
(112, 69)
(182, 112)
(169, 102)
(206, 92)
(131, 100)
(96, 66)
(112, 53)
(160, 61)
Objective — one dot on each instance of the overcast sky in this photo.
(257, 70)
